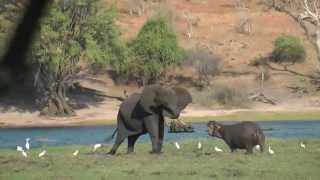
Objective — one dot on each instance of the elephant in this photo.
(144, 112)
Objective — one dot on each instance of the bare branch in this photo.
(314, 15)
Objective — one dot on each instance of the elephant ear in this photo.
(148, 95)
(183, 97)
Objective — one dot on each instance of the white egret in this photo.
(199, 145)
(24, 154)
(270, 151)
(42, 153)
(302, 145)
(177, 145)
(76, 153)
(218, 149)
(96, 146)
(19, 148)
(27, 143)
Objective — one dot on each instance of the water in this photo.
(10, 138)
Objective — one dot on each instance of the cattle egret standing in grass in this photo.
(96, 146)
(199, 145)
(177, 145)
(24, 154)
(302, 145)
(19, 148)
(257, 147)
(42, 153)
(270, 151)
(27, 143)
(218, 149)
(76, 153)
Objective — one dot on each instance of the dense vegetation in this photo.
(72, 33)
(154, 50)
(288, 49)
(76, 35)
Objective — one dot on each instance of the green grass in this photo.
(289, 162)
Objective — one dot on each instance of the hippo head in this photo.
(214, 129)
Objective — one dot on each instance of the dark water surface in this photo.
(97, 134)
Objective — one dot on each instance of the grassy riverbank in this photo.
(261, 116)
(236, 116)
(289, 162)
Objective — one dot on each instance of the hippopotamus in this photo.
(243, 135)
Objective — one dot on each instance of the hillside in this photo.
(215, 28)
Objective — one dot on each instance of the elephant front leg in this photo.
(152, 126)
(161, 133)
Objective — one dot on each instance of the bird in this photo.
(24, 154)
(42, 153)
(270, 151)
(218, 149)
(199, 145)
(257, 147)
(302, 145)
(177, 145)
(96, 146)
(19, 148)
(27, 143)
(76, 153)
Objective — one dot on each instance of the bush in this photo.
(259, 61)
(288, 49)
(229, 96)
(155, 49)
(220, 95)
(207, 65)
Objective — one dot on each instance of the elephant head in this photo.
(171, 101)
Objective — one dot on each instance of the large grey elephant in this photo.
(144, 113)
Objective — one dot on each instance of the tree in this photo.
(307, 14)
(72, 33)
(288, 50)
(312, 14)
(206, 64)
(155, 49)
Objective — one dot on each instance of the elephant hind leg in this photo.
(120, 138)
(131, 141)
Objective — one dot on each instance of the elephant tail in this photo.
(109, 138)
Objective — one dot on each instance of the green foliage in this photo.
(155, 49)
(77, 32)
(288, 49)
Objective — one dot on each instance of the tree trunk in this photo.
(56, 104)
(318, 42)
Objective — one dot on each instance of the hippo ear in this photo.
(183, 97)
(217, 126)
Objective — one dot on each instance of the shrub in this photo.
(206, 64)
(229, 96)
(220, 95)
(288, 49)
(155, 49)
(259, 61)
